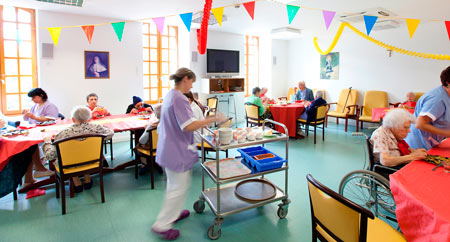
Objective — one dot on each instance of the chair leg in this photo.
(326, 121)
(106, 147)
(136, 162)
(111, 149)
(63, 197)
(152, 173)
(337, 120)
(57, 183)
(131, 142)
(361, 124)
(102, 190)
(323, 133)
(71, 189)
(226, 153)
(346, 124)
(315, 131)
(357, 124)
(307, 130)
(15, 194)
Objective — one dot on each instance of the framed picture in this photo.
(96, 65)
(329, 66)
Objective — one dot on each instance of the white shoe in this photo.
(300, 133)
(38, 174)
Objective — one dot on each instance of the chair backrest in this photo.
(374, 99)
(352, 98)
(321, 112)
(212, 103)
(79, 150)
(61, 116)
(418, 95)
(334, 215)
(252, 111)
(154, 140)
(226, 124)
(291, 91)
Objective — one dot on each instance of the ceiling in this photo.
(268, 14)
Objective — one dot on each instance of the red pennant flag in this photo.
(88, 30)
(250, 7)
(447, 25)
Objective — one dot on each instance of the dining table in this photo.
(422, 197)
(287, 114)
(15, 144)
(379, 113)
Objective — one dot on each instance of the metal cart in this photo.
(224, 190)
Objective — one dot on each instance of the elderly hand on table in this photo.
(49, 139)
(2, 123)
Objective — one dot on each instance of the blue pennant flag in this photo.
(370, 22)
(187, 18)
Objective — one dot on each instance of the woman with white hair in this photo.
(311, 111)
(389, 147)
(80, 116)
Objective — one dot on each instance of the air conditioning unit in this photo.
(197, 18)
(382, 23)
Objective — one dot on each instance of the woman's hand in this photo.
(149, 109)
(24, 111)
(134, 111)
(418, 155)
(2, 123)
(29, 115)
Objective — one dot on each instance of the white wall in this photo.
(280, 74)
(365, 66)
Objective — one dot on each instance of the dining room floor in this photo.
(131, 206)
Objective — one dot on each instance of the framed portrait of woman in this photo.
(96, 65)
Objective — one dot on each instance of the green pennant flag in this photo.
(292, 11)
(118, 28)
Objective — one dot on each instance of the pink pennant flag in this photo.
(328, 17)
(159, 24)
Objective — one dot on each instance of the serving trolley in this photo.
(222, 198)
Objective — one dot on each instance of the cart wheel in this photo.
(282, 213)
(199, 206)
(211, 234)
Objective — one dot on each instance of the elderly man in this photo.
(97, 111)
(304, 93)
(263, 96)
(311, 111)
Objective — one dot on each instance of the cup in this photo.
(446, 165)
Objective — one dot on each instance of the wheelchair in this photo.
(370, 187)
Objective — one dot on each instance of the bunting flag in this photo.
(54, 33)
(250, 7)
(292, 11)
(187, 19)
(370, 22)
(412, 26)
(328, 17)
(447, 26)
(218, 14)
(118, 29)
(159, 24)
(89, 31)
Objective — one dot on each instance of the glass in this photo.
(153, 81)
(145, 28)
(11, 67)
(173, 67)
(145, 68)
(12, 102)
(146, 81)
(172, 31)
(165, 81)
(25, 49)
(172, 42)
(164, 92)
(26, 83)
(10, 48)
(26, 101)
(153, 41)
(173, 55)
(24, 16)
(146, 54)
(165, 42)
(446, 165)
(153, 68)
(9, 31)
(165, 55)
(164, 68)
(26, 67)
(146, 95)
(25, 31)
(153, 54)
(12, 84)
(145, 41)
(154, 94)
(9, 13)
(153, 29)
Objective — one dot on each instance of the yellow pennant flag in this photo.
(54, 32)
(218, 14)
(412, 26)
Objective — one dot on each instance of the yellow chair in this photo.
(418, 95)
(77, 156)
(319, 120)
(372, 99)
(148, 153)
(291, 91)
(316, 89)
(212, 103)
(252, 115)
(335, 218)
(345, 108)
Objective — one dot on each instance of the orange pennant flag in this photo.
(89, 31)
(54, 33)
(412, 26)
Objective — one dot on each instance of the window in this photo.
(17, 58)
(160, 60)
(251, 63)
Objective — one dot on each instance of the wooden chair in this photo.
(318, 120)
(252, 115)
(291, 91)
(78, 155)
(372, 99)
(212, 103)
(418, 95)
(110, 142)
(345, 107)
(149, 154)
(335, 218)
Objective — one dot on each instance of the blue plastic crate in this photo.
(260, 165)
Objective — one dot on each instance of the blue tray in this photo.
(260, 165)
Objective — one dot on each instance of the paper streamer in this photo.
(250, 7)
(377, 42)
(218, 14)
(118, 29)
(54, 33)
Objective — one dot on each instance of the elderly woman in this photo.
(410, 100)
(389, 148)
(311, 111)
(43, 110)
(80, 116)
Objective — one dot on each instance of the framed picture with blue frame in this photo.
(96, 65)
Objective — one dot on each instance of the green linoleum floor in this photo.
(131, 207)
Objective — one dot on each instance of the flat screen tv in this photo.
(219, 62)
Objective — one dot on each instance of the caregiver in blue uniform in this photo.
(432, 116)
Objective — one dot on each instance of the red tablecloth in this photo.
(422, 197)
(10, 146)
(287, 115)
(379, 113)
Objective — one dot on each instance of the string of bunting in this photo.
(292, 11)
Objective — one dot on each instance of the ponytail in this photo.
(181, 73)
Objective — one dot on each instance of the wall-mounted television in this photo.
(222, 62)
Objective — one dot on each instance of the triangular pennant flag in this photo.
(250, 7)
(328, 17)
(218, 14)
(370, 22)
(187, 19)
(88, 30)
(54, 33)
(118, 28)
(292, 11)
(412, 26)
(447, 26)
(159, 24)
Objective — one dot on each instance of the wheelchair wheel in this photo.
(371, 191)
